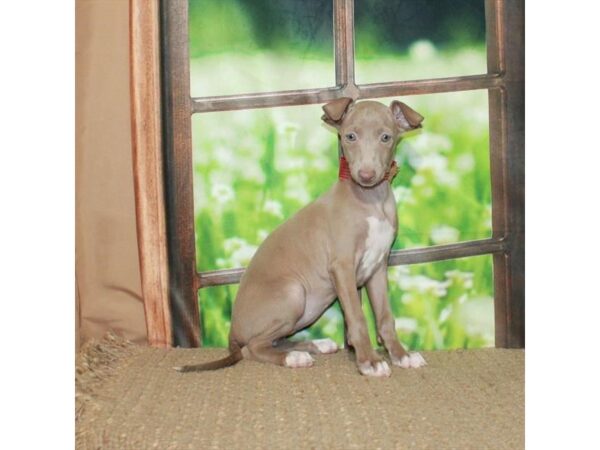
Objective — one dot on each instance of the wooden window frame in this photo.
(162, 108)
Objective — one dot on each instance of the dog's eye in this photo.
(351, 137)
(385, 137)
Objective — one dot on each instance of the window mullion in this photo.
(343, 29)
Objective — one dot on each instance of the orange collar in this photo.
(344, 172)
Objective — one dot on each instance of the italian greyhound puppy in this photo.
(329, 249)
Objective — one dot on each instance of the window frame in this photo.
(176, 320)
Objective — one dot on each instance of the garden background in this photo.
(253, 169)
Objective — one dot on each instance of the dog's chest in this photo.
(380, 236)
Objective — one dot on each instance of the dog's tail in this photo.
(233, 358)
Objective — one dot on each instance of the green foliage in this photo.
(254, 169)
(220, 25)
(306, 26)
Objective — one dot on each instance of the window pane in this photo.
(417, 39)
(252, 170)
(443, 187)
(441, 305)
(256, 46)
(216, 304)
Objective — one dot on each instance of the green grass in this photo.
(253, 169)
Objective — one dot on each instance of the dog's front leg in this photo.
(368, 361)
(377, 289)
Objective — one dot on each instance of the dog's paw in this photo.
(412, 360)
(326, 345)
(375, 369)
(298, 359)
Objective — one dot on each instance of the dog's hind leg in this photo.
(316, 346)
(263, 351)
(261, 348)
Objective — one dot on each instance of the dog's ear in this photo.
(335, 111)
(406, 117)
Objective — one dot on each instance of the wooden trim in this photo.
(507, 165)
(397, 257)
(449, 251)
(432, 86)
(343, 35)
(147, 168)
(177, 145)
(514, 104)
(323, 95)
(265, 100)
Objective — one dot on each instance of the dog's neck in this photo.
(374, 194)
(344, 171)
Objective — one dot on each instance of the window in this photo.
(503, 83)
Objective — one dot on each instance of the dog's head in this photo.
(369, 132)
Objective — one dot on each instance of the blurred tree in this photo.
(397, 24)
(305, 25)
(285, 25)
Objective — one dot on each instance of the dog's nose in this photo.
(366, 175)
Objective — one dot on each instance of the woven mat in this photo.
(128, 397)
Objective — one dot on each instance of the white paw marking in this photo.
(326, 345)
(412, 360)
(298, 359)
(380, 369)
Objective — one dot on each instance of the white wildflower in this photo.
(239, 251)
(487, 219)
(321, 164)
(437, 165)
(250, 170)
(444, 234)
(422, 50)
(434, 162)
(222, 193)
(284, 127)
(290, 163)
(224, 156)
(402, 194)
(405, 324)
(478, 115)
(233, 243)
(468, 281)
(447, 178)
(273, 207)
(407, 298)
(262, 235)
(424, 285)
(418, 180)
(397, 273)
(445, 313)
(426, 143)
(477, 316)
(427, 191)
(465, 279)
(319, 142)
(465, 163)
(289, 132)
(295, 188)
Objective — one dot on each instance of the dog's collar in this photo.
(344, 172)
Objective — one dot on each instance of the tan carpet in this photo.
(128, 397)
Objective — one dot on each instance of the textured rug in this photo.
(129, 397)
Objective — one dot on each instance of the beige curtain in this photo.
(108, 289)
